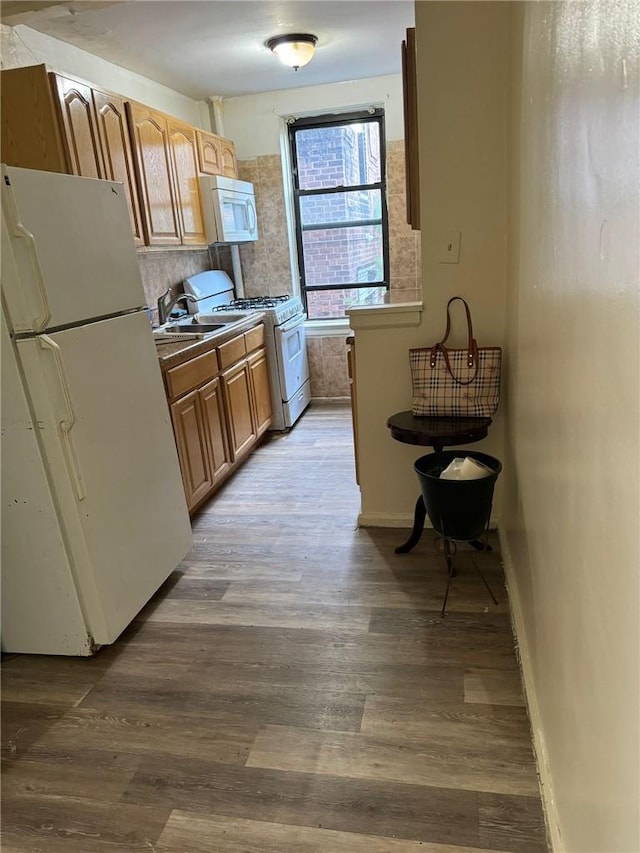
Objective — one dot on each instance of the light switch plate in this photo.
(449, 247)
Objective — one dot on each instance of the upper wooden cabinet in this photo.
(411, 128)
(152, 155)
(116, 152)
(166, 157)
(57, 124)
(184, 159)
(78, 118)
(209, 153)
(229, 161)
(216, 155)
(31, 133)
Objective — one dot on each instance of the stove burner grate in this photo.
(255, 302)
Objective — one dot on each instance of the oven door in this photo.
(291, 353)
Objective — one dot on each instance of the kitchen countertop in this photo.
(172, 353)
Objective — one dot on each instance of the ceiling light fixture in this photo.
(294, 50)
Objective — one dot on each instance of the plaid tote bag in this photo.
(456, 382)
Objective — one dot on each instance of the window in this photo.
(338, 169)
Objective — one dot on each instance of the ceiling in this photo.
(205, 48)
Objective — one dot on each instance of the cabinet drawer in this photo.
(232, 351)
(254, 338)
(191, 374)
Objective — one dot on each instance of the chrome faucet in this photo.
(166, 306)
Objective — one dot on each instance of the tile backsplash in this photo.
(161, 270)
(328, 366)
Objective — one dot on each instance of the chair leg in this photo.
(484, 581)
(450, 572)
(419, 516)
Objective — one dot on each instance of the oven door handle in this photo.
(292, 323)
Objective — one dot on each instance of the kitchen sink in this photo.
(225, 316)
(187, 330)
(191, 328)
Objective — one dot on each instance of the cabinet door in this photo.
(261, 390)
(209, 153)
(228, 155)
(155, 180)
(116, 152)
(184, 159)
(190, 432)
(241, 423)
(411, 129)
(216, 429)
(80, 135)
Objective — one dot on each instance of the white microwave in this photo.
(229, 210)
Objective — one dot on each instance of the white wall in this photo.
(22, 46)
(462, 106)
(254, 121)
(570, 526)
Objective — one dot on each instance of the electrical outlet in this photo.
(449, 247)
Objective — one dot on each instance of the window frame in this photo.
(340, 119)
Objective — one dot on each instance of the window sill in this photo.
(327, 328)
(385, 316)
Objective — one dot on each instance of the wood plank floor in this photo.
(290, 689)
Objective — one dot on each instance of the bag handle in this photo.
(472, 346)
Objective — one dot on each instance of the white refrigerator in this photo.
(94, 516)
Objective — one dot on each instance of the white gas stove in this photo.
(284, 338)
(277, 309)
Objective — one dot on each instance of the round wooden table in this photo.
(436, 432)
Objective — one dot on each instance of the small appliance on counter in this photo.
(94, 516)
(284, 338)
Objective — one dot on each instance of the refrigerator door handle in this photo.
(66, 424)
(21, 231)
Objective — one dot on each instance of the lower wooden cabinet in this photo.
(259, 373)
(220, 455)
(237, 390)
(191, 440)
(218, 417)
(201, 438)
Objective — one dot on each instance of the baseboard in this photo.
(524, 658)
(374, 519)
